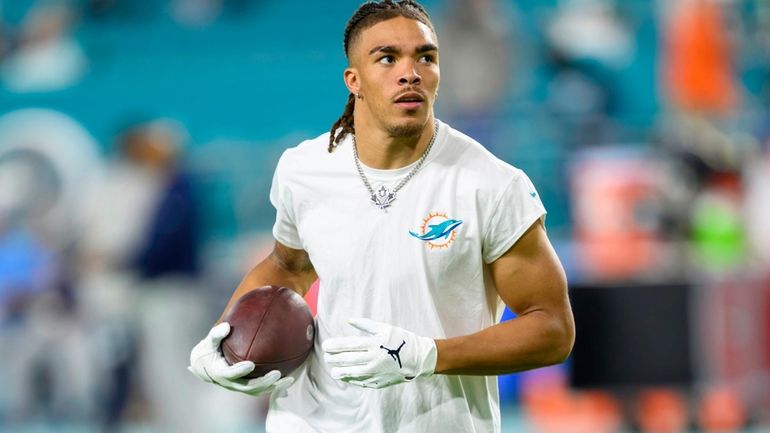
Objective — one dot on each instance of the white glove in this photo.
(384, 356)
(208, 363)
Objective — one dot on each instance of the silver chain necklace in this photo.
(384, 197)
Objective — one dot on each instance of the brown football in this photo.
(272, 327)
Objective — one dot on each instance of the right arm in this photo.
(284, 267)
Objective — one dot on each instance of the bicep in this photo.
(291, 260)
(296, 263)
(529, 276)
(284, 266)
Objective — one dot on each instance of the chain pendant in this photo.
(383, 197)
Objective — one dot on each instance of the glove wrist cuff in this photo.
(428, 366)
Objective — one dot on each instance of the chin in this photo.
(408, 128)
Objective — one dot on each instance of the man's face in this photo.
(394, 66)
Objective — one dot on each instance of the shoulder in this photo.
(310, 155)
(476, 161)
(307, 149)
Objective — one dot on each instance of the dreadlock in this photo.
(367, 15)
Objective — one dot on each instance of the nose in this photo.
(409, 76)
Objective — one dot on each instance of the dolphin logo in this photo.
(438, 231)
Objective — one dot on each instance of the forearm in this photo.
(532, 340)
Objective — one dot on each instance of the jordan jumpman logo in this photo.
(395, 353)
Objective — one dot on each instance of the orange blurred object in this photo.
(661, 411)
(555, 409)
(697, 63)
(721, 410)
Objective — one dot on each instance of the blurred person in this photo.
(591, 29)
(46, 57)
(141, 268)
(477, 32)
(419, 237)
(170, 245)
(167, 266)
(699, 83)
(28, 185)
(107, 279)
(697, 58)
(46, 161)
(28, 270)
(587, 41)
(43, 343)
(581, 100)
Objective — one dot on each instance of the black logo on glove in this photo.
(395, 354)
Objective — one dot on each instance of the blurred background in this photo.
(138, 140)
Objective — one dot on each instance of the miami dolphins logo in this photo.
(438, 230)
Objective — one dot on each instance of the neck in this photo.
(379, 149)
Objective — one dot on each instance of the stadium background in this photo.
(644, 125)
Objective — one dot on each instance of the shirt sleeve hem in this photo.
(285, 241)
(495, 254)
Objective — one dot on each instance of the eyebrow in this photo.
(389, 49)
(427, 47)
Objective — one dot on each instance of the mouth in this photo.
(410, 100)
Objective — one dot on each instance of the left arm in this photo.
(531, 282)
(529, 279)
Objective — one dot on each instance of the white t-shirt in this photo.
(392, 266)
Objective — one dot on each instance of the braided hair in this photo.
(367, 15)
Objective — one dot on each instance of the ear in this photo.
(351, 80)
